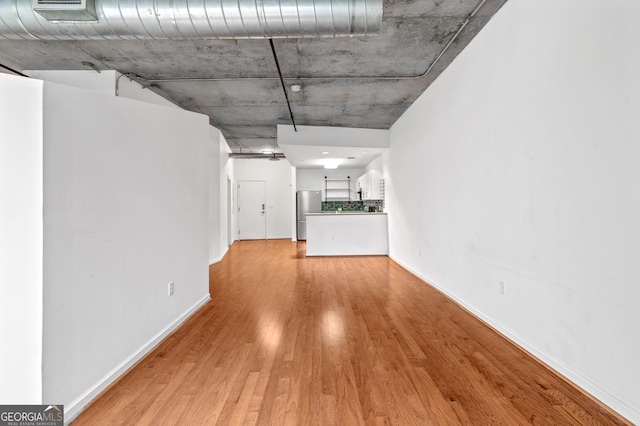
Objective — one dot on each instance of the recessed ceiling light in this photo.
(325, 152)
(296, 87)
(331, 163)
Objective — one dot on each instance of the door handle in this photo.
(262, 206)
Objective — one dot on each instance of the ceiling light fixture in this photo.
(325, 152)
(331, 163)
(296, 87)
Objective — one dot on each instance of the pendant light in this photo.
(273, 157)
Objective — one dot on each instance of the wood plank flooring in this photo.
(289, 340)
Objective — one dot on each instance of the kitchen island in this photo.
(347, 234)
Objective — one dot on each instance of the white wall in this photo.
(228, 209)
(221, 169)
(107, 82)
(215, 217)
(277, 175)
(125, 213)
(377, 164)
(225, 171)
(520, 164)
(332, 136)
(21, 243)
(103, 82)
(110, 82)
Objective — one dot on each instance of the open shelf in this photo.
(337, 189)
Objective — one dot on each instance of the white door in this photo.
(251, 210)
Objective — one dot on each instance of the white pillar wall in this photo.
(21, 240)
(96, 218)
(126, 212)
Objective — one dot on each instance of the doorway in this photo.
(252, 223)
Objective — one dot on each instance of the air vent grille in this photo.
(60, 2)
(67, 10)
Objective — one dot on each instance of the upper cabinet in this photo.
(371, 185)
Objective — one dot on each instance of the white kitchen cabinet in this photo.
(370, 184)
(363, 186)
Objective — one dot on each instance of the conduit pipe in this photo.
(198, 19)
(284, 89)
(254, 156)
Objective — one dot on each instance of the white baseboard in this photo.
(616, 404)
(72, 410)
(218, 259)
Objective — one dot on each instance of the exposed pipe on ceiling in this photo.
(333, 77)
(284, 88)
(13, 71)
(193, 19)
(252, 156)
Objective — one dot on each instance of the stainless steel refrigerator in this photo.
(306, 202)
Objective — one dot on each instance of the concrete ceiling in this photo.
(348, 82)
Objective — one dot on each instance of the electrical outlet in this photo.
(171, 288)
(501, 287)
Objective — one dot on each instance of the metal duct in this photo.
(198, 19)
(256, 156)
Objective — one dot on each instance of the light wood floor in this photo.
(345, 341)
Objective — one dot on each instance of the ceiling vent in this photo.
(67, 10)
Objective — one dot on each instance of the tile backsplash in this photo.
(353, 206)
